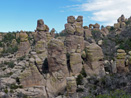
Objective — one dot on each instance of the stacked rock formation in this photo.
(121, 22)
(24, 46)
(71, 85)
(120, 63)
(75, 32)
(94, 60)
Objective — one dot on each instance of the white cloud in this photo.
(107, 11)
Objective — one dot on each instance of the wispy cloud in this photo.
(106, 11)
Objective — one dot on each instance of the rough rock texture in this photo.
(24, 46)
(57, 67)
(120, 63)
(71, 19)
(56, 56)
(71, 85)
(94, 60)
(75, 63)
(41, 50)
(31, 76)
(71, 42)
(52, 32)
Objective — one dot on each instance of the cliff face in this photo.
(44, 64)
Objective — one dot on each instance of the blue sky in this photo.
(16, 15)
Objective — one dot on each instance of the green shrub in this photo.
(115, 94)
(11, 91)
(21, 58)
(8, 37)
(14, 86)
(80, 90)
(6, 90)
(79, 79)
(83, 72)
(112, 28)
(10, 64)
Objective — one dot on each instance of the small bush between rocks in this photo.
(79, 79)
(115, 94)
(10, 64)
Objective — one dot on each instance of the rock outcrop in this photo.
(24, 46)
(94, 60)
(120, 63)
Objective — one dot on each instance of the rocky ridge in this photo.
(45, 64)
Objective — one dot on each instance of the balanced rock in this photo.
(71, 19)
(120, 62)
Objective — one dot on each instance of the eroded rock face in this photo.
(24, 46)
(56, 56)
(31, 76)
(71, 19)
(94, 58)
(71, 42)
(75, 63)
(71, 85)
(52, 32)
(41, 49)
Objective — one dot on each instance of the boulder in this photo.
(31, 76)
(41, 50)
(56, 56)
(94, 58)
(40, 25)
(71, 42)
(71, 19)
(75, 63)
(69, 29)
(71, 85)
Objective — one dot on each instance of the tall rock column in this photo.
(93, 57)
(74, 30)
(56, 80)
(24, 46)
(120, 63)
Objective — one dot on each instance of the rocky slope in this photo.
(78, 62)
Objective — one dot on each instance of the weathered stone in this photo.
(23, 37)
(117, 25)
(79, 19)
(79, 31)
(71, 85)
(120, 62)
(71, 19)
(104, 31)
(75, 63)
(71, 42)
(52, 32)
(31, 76)
(56, 56)
(94, 58)
(86, 27)
(69, 29)
(40, 25)
(14, 42)
(41, 49)
(87, 33)
(24, 46)
(123, 24)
